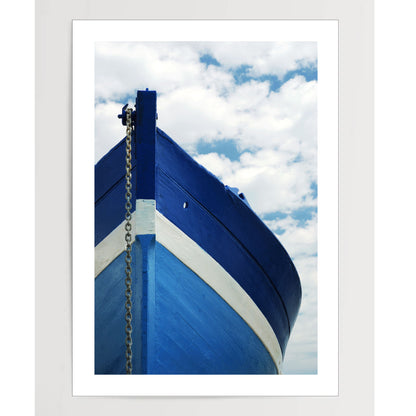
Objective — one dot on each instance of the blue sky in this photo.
(248, 113)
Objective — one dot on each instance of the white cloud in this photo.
(275, 58)
(301, 353)
(125, 67)
(270, 179)
(108, 128)
(299, 240)
(191, 113)
(248, 113)
(198, 101)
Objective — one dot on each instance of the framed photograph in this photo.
(224, 219)
(237, 202)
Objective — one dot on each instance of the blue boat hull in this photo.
(214, 292)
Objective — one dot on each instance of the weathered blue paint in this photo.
(191, 329)
(197, 332)
(145, 274)
(214, 217)
(109, 318)
(107, 172)
(110, 190)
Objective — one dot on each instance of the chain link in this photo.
(128, 238)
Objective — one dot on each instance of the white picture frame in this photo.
(353, 168)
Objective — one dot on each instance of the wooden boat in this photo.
(213, 290)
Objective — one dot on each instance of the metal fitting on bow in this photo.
(123, 116)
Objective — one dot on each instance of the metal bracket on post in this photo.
(123, 116)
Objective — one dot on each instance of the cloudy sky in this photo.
(248, 113)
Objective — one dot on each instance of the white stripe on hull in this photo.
(145, 216)
(111, 247)
(196, 259)
(142, 222)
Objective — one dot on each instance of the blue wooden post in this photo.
(145, 136)
(145, 141)
(145, 278)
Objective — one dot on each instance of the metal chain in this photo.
(128, 238)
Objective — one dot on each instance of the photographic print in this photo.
(222, 183)
(206, 188)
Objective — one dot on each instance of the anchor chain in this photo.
(128, 238)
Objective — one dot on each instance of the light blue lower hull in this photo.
(181, 325)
